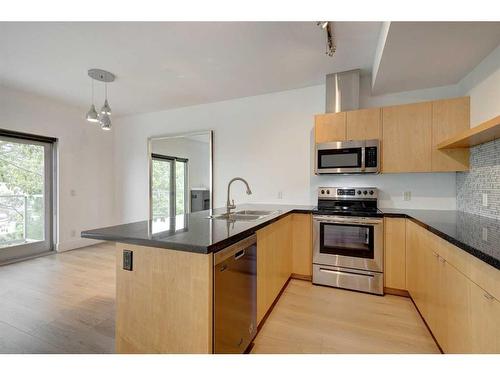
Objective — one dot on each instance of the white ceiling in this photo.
(419, 55)
(173, 64)
(163, 65)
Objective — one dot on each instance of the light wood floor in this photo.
(61, 303)
(64, 303)
(316, 319)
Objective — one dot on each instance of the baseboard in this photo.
(268, 312)
(301, 277)
(397, 292)
(76, 244)
(428, 328)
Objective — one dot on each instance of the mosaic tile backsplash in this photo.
(483, 177)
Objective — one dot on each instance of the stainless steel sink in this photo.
(243, 215)
(254, 212)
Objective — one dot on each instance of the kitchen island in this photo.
(164, 304)
(164, 273)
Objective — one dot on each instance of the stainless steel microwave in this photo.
(348, 157)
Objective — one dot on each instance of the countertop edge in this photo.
(488, 259)
(239, 236)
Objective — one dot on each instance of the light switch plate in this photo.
(407, 196)
(485, 234)
(485, 199)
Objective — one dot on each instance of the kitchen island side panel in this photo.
(164, 304)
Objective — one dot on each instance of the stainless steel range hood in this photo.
(342, 91)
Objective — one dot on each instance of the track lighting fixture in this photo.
(331, 47)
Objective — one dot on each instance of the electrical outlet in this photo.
(72, 192)
(485, 199)
(407, 196)
(485, 234)
(128, 257)
(280, 195)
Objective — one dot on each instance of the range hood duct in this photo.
(342, 91)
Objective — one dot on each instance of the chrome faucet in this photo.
(230, 203)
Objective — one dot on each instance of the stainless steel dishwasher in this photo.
(235, 296)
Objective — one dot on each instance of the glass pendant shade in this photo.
(105, 121)
(92, 114)
(106, 108)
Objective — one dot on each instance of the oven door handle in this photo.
(352, 273)
(344, 220)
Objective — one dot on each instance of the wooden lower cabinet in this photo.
(484, 321)
(395, 253)
(463, 317)
(274, 262)
(454, 325)
(417, 261)
(302, 245)
(164, 305)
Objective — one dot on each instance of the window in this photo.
(26, 195)
(169, 186)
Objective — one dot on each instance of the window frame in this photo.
(173, 188)
(48, 245)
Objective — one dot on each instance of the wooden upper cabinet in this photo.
(364, 124)
(407, 138)
(449, 117)
(330, 127)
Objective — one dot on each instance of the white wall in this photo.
(482, 84)
(197, 153)
(85, 160)
(268, 140)
(265, 139)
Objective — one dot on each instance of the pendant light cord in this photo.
(92, 91)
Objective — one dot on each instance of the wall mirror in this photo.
(180, 174)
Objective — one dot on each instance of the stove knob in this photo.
(371, 192)
(359, 192)
(322, 192)
(365, 192)
(328, 192)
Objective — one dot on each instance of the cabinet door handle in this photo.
(488, 296)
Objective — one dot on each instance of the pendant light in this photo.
(106, 108)
(104, 115)
(92, 113)
(105, 121)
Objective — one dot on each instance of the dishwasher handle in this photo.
(236, 250)
(239, 254)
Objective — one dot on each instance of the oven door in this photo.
(340, 157)
(352, 242)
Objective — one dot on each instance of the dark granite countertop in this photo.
(477, 235)
(193, 232)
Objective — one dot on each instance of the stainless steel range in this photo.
(348, 248)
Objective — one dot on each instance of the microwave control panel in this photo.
(371, 157)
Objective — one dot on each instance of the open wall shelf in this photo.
(485, 132)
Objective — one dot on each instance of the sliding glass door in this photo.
(169, 186)
(26, 195)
